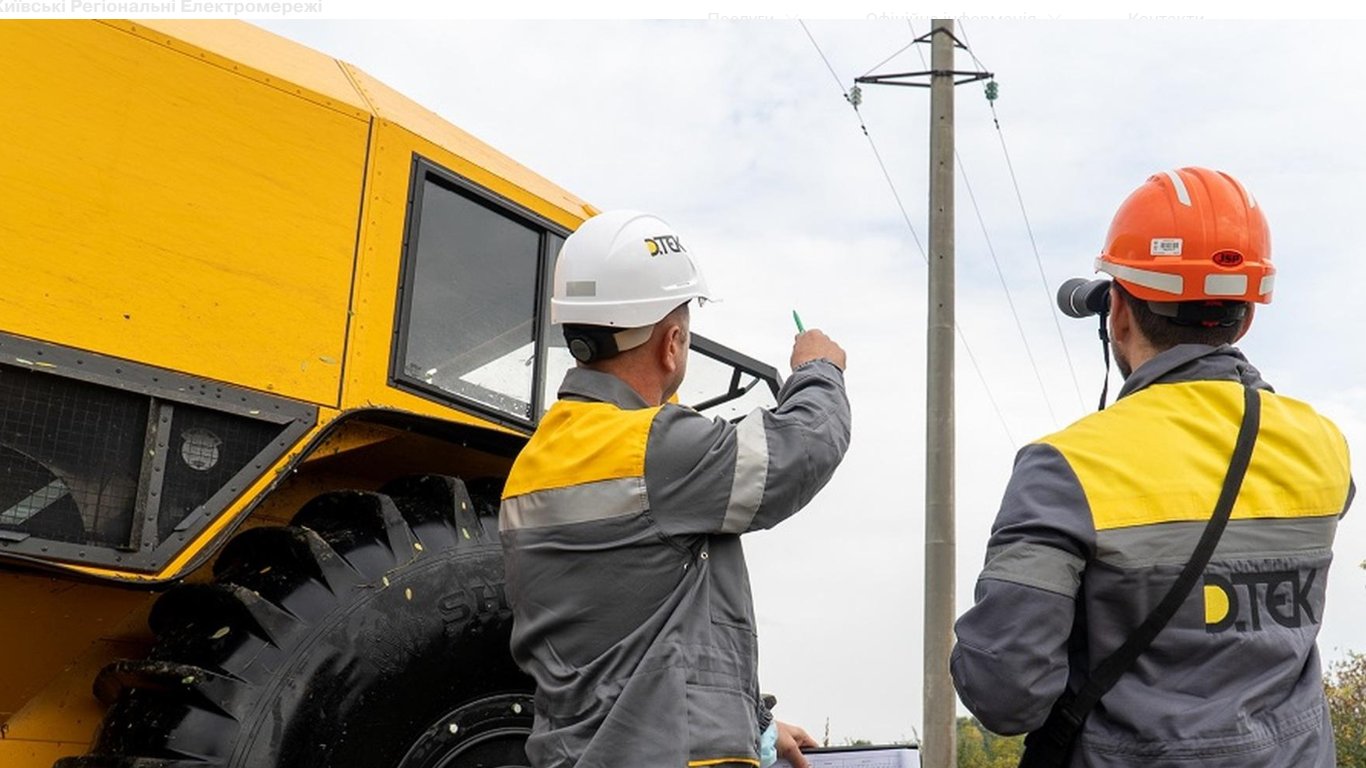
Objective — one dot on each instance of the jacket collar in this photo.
(1194, 362)
(586, 384)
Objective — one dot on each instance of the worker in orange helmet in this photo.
(1154, 580)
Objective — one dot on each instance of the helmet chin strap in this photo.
(1105, 349)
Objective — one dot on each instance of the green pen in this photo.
(796, 318)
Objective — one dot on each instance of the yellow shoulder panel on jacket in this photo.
(1160, 455)
(579, 443)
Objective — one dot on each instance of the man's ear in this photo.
(1121, 317)
(671, 347)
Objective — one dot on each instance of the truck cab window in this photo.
(470, 287)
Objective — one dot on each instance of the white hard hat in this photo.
(623, 269)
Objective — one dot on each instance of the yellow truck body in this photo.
(208, 222)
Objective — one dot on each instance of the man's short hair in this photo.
(1164, 332)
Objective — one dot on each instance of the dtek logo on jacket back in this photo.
(1298, 482)
(1241, 600)
(664, 244)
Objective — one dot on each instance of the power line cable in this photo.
(906, 217)
(859, 116)
(838, 82)
(899, 51)
(1029, 229)
(1024, 339)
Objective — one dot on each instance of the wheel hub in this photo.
(486, 733)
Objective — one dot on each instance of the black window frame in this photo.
(422, 171)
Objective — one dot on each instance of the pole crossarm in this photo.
(894, 79)
(904, 78)
(928, 37)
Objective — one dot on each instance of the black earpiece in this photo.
(590, 343)
(583, 349)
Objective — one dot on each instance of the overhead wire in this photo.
(885, 174)
(1010, 302)
(1000, 416)
(1029, 229)
(899, 51)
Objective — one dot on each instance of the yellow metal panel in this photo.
(260, 55)
(158, 207)
(66, 712)
(15, 753)
(472, 158)
(48, 623)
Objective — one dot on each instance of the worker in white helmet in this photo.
(621, 520)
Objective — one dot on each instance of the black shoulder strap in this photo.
(1056, 735)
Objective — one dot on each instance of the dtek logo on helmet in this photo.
(664, 244)
(1283, 595)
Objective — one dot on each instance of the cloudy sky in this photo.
(737, 133)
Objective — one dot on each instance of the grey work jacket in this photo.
(631, 600)
(1095, 524)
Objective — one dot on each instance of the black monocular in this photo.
(1080, 297)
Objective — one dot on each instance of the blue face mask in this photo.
(768, 746)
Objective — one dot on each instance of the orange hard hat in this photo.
(1191, 234)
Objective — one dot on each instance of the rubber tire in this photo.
(371, 632)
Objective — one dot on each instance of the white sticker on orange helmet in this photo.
(1183, 195)
(1225, 285)
(1147, 278)
(1165, 246)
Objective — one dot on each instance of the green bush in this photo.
(1345, 685)
(980, 748)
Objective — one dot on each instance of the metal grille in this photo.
(206, 451)
(70, 454)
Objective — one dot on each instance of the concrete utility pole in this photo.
(940, 747)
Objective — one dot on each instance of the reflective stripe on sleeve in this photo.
(751, 474)
(574, 504)
(1035, 565)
